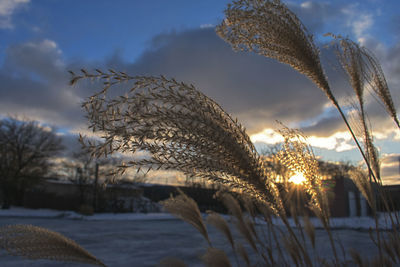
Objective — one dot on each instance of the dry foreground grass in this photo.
(182, 129)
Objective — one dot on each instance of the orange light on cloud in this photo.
(268, 136)
(339, 141)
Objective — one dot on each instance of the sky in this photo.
(40, 40)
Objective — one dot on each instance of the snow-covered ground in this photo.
(47, 213)
(121, 240)
(351, 223)
(355, 223)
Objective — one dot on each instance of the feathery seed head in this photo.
(180, 128)
(218, 222)
(363, 69)
(270, 29)
(363, 183)
(350, 55)
(298, 157)
(377, 82)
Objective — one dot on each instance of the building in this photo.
(345, 198)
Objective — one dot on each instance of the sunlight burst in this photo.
(297, 178)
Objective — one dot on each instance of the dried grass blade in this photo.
(292, 248)
(309, 229)
(389, 249)
(216, 258)
(218, 222)
(234, 208)
(186, 209)
(243, 253)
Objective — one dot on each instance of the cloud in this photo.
(339, 141)
(321, 17)
(326, 126)
(267, 136)
(316, 15)
(35, 84)
(358, 20)
(255, 89)
(394, 26)
(42, 58)
(389, 159)
(364, 23)
(205, 26)
(390, 168)
(7, 9)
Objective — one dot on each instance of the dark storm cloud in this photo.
(326, 126)
(256, 89)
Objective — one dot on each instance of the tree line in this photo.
(28, 151)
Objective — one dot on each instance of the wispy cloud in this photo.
(205, 26)
(360, 22)
(7, 9)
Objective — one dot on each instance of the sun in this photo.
(297, 178)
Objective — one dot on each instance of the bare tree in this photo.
(25, 148)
